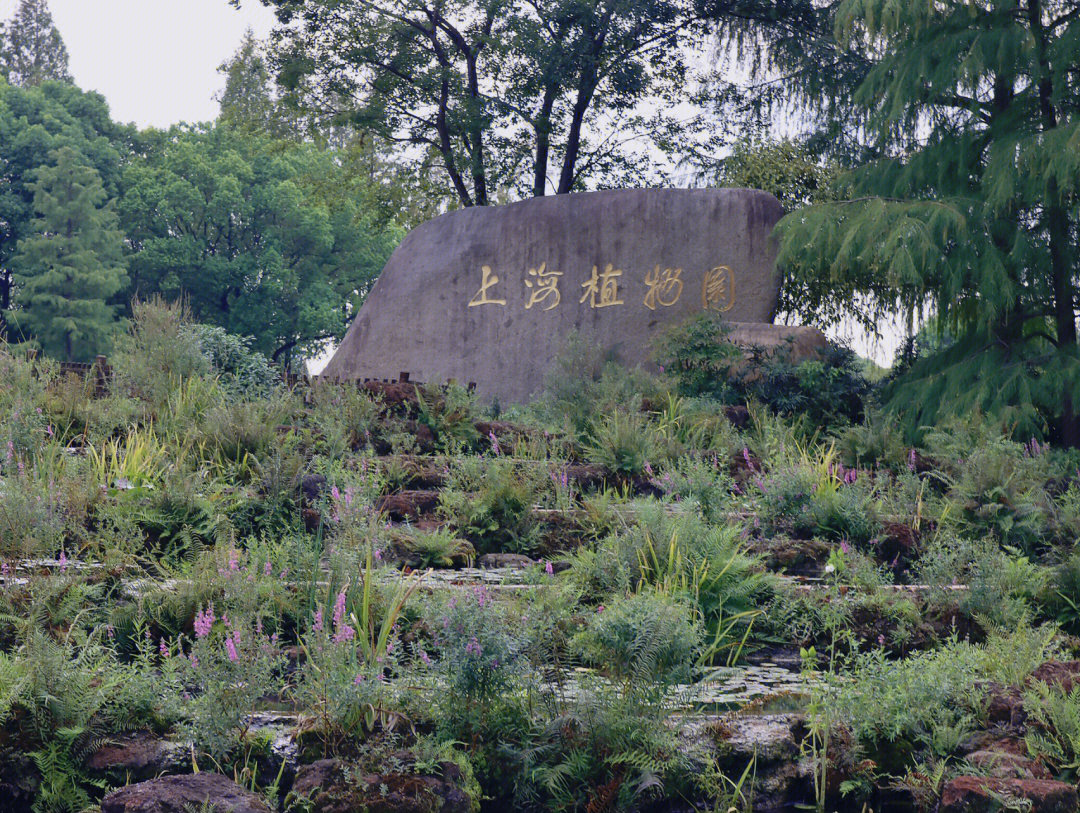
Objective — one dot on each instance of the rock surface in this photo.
(976, 794)
(178, 794)
(490, 294)
(333, 786)
(141, 755)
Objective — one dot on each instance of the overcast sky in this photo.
(154, 60)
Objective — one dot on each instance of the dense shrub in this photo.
(824, 392)
(642, 640)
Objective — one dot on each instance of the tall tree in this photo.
(33, 123)
(523, 97)
(264, 238)
(33, 50)
(969, 210)
(249, 100)
(72, 265)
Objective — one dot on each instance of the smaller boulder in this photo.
(334, 786)
(179, 794)
(1064, 675)
(494, 561)
(142, 755)
(1005, 765)
(976, 794)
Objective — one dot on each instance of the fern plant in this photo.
(1055, 737)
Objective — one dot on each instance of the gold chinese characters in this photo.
(546, 287)
(718, 289)
(665, 287)
(606, 288)
(488, 280)
(602, 289)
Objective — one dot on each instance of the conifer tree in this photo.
(969, 209)
(72, 264)
(248, 100)
(33, 50)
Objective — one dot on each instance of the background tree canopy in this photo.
(265, 238)
(965, 204)
(525, 97)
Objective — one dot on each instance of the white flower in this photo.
(830, 568)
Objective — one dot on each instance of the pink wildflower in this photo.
(204, 622)
(163, 648)
(339, 608)
(473, 647)
(317, 625)
(230, 650)
(63, 561)
(746, 457)
(549, 569)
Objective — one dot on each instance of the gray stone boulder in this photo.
(490, 294)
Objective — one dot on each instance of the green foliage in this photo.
(704, 482)
(783, 168)
(31, 49)
(490, 501)
(1062, 596)
(241, 226)
(966, 210)
(683, 557)
(928, 701)
(436, 548)
(241, 370)
(604, 750)
(34, 123)
(622, 442)
(57, 697)
(826, 391)
(1055, 735)
(816, 496)
(1002, 584)
(70, 265)
(642, 640)
(497, 97)
(450, 414)
(996, 485)
(232, 665)
(477, 653)
(583, 384)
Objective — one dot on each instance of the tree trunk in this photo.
(543, 143)
(573, 142)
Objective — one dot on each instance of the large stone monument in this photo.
(489, 295)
